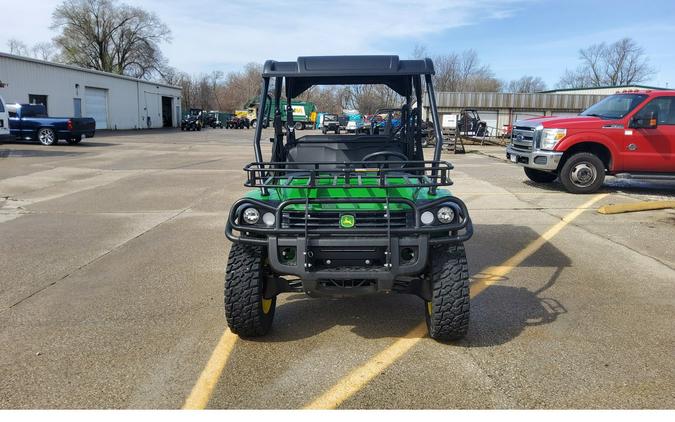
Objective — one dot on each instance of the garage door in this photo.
(96, 106)
(490, 118)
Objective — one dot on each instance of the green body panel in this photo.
(414, 194)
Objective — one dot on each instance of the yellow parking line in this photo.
(202, 390)
(361, 376)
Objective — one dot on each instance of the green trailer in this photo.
(304, 113)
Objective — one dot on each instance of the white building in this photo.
(114, 101)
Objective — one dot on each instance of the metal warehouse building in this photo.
(602, 90)
(498, 109)
(114, 101)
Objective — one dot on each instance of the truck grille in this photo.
(523, 138)
(325, 219)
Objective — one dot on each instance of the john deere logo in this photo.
(347, 221)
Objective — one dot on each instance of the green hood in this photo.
(277, 195)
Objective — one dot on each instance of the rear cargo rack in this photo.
(348, 175)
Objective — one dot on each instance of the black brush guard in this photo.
(354, 175)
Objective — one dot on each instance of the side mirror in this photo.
(645, 122)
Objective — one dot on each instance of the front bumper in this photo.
(384, 247)
(537, 159)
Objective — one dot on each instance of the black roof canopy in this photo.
(348, 70)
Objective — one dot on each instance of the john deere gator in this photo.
(344, 215)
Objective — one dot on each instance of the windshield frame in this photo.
(594, 110)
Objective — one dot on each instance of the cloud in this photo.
(216, 34)
(228, 34)
(27, 21)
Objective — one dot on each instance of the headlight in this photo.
(269, 219)
(427, 217)
(445, 215)
(251, 215)
(550, 137)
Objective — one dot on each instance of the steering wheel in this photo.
(399, 155)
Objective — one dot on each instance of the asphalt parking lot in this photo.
(112, 258)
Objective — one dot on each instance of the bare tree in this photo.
(420, 51)
(17, 47)
(43, 51)
(623, 62)
(526, 84)
(110, 36)
(368, 98)
(463, 73)
(186, 83)
(241, 87)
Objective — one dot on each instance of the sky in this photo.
(514, 37)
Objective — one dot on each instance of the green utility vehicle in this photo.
(344, 215)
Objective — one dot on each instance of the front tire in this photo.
(583, 173)
(47, 136)
(447, 313)
(539, 176)
(247, 312)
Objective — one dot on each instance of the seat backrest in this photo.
(338, 149)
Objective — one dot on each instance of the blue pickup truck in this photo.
(30, 121)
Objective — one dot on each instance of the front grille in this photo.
(523, 138)
(347, 284)
(330, 219)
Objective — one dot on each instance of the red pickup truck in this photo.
(629, 135)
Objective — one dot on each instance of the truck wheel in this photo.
(539, 176)
(247, 312)
(447, 314)
(299, 126)
(254, 123)
(583, 172)
(46, 136)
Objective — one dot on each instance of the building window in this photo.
(38, 99)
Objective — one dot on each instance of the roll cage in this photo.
(293, 78)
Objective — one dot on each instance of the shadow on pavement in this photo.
(94, 144)
(28, 153)
(613, 185)
(84, 144)
(499, 314)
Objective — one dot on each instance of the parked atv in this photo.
(191, 122)
(330, 124)
(339, 216)
(212, 120)
(238, 123)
